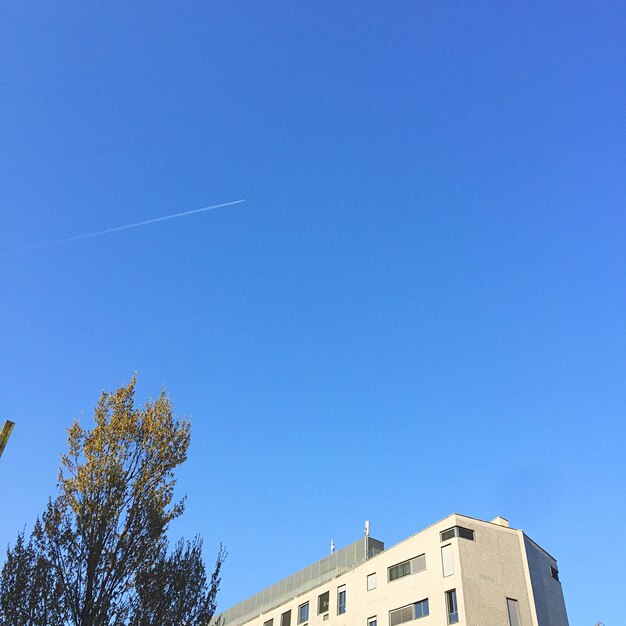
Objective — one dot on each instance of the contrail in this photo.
(126, 227)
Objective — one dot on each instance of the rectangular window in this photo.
(408, 613)
(412, 566)
(452, 607)
(402, 615)
(513, 609)
(400, 570)
(555, 573)
(341, 600)
(285, 619)
(303, 613)
(372, 621)
(270, 622)
(457, 531)
(322, 602)
(466, 533)
(418, 564)
(371, 581)
(421, 608)
(447, 560)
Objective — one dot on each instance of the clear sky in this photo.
(419, 309)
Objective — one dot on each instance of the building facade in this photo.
(460, 570)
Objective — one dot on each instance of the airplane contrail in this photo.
(126, 227)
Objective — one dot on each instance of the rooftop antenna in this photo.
(5, 433)
(366, 529)
(332, 546)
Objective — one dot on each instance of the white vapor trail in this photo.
(126, 226)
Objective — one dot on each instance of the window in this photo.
(371, 581)
(421, 608)
(270, 622)
(341, 600)
(452, 607)
(400, 616)
(412, 566)
(457, 531)
(513, 609)
(447, 560)
(399, 570)
(372, 621)
(285, 619)
(555, 573)
(408, 613)
(466, 533)
(322, 602)
(303, 613)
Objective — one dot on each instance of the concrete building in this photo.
(460, 570)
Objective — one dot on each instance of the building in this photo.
(460, 570)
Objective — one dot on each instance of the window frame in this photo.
(452, 606)
(457, 531)
(423, 602)
(341, 607)
(424, 605)
(447, 550)
(408, 562)
(285, 618)
(402, 564)
(518, 618)
(303, 608)
(400, 610)
(319, 603)
(367, 581)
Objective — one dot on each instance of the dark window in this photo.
(399, 570)
(457, 531)
(412, 566)
(466, 533)
(270, 622)
(322, 602)
(452, 607)
(372, 621)
(285, 619)
(341, 600)
(303, 613)
(555, 573)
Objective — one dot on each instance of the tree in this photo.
(101, 545)
(29, 591)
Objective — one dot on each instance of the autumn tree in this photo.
(99, 554)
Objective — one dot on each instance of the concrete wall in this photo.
(548, 593)
(493, 569)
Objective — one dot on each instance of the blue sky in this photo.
(419, 309)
